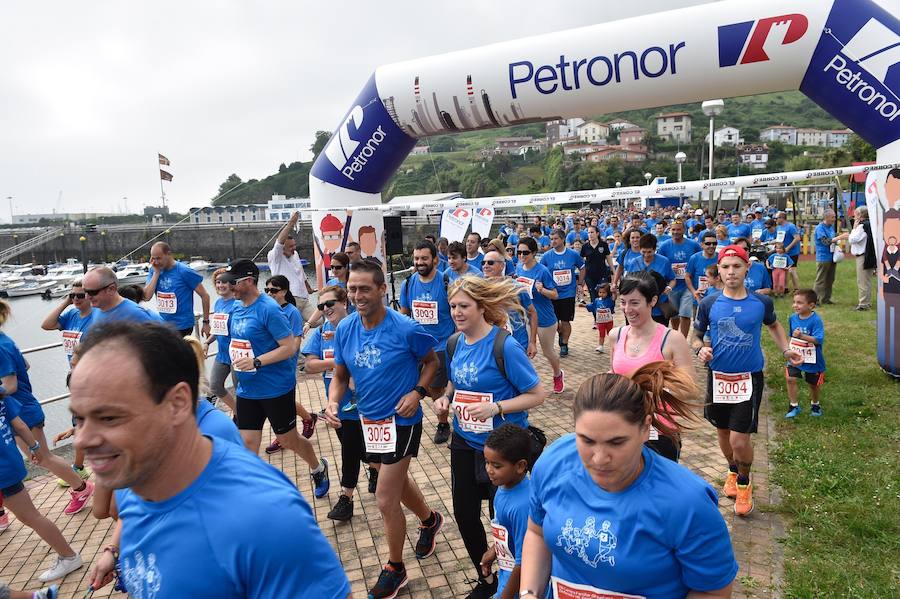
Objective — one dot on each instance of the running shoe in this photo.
(483, 590)
(390, 581)
(4, 521)
(793, 412)
(342, 510)
(373, 480)
(321, 484)
(83, 472)
(78, 502)
(62, 567)
(815, 410)
(442, 433)
(274, 447)
(427, 534)
(51, 592)
(600, 349)
(731, 484)
(563, 350)
(743, 503)
(559, 382)
(309, 426)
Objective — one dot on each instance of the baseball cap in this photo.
(698, 212)
(240, 269)
(733, 251)
(759, 209)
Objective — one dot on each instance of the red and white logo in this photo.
(750, 41)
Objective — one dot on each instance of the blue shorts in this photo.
(683, 301)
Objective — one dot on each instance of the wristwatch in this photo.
(257, 363)
(34, 448)
(420, 390)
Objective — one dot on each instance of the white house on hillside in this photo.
(726, 136)
(674, 125)
(838, 138)
(783, 133)
(754, 155)
(620, 124)
(593, 132)
(812, 137)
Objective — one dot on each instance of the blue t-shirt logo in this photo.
(731, 335)
(591, 545)
(142, 576)
(369, 356)
(466, 375)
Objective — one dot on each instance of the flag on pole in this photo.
(163, 160)
(164, 175)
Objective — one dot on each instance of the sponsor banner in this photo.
(334, 229)
(853, 73)
(367, 147)
(482, 219)
(883, 200)
(455, 223)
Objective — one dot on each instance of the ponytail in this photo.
(5, 312)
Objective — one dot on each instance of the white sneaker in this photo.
(599, 349)
(62, 567)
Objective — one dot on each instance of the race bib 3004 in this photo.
(732, 388)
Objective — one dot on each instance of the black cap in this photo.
(240, 269)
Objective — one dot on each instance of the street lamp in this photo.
(233, 247)
(83, 241)
(680, 157)
(647, 177)
(712, 109)
(103, 244)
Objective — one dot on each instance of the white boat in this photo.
(198, 264)
(31, 288)
(58, 291)
(133, 273)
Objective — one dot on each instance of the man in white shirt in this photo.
(863, 249)
(283, 260)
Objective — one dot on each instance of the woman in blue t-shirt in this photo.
(609, 516)
(483, 398)
(219, 329)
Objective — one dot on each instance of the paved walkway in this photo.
(360, 543)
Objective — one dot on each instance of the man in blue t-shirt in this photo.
(826, 238)
(737, 228)
(695, 278)
(567, 267)
(787, 233)
(734, 319)
(73, 316)
(196, 512)
(543, 240)
(382, 350)
(101, 287)
(423, 297)
(457, 265)
(174, 285)
(678, 250)
(473, 247)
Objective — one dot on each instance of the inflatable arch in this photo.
(843, 54)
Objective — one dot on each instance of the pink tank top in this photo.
(626, 365)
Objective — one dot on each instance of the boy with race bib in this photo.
(807, 336)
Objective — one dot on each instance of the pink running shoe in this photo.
(79, 499)
(559, 382)
(309, 426)
(4, 521)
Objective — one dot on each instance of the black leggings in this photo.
(353, 451)
(468, 493)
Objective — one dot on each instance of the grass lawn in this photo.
(839, 473)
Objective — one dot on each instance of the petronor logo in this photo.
(748, 42)
(349, 154)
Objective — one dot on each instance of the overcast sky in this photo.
(90, 92)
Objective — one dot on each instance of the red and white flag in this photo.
(165, 176)
(163, 160)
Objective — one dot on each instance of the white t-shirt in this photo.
(290, 268)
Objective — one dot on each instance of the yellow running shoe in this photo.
(731, 484)
(743, 504)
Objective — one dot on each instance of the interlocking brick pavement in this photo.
(361, 544)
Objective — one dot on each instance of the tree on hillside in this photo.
(861, 150)
(319, 144)
(230, 182)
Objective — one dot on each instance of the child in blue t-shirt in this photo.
(507, 456)
(603, 309)
(807, 336)
(779, 263)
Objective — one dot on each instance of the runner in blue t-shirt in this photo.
(807, 333)
(262, 350)
(423, 297)
(566, 266)
(473, 253)
(629, 255)
(695, 274)
(458, 265)
(624, 521)
(523, 327)
(508, 456)
(174, 285)
(678, 250)
(482, 397)
(734, 319)
(653, 262)
(101, 287)
(787, 233)
(540, 286)
(220, 321)
(827, 241)
(73, 316)
(382, 350)
(736, 228)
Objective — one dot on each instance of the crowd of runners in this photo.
(606, 510)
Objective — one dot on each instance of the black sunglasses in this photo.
(93, 292)
(710, 243)
(272, 290)
(337, 266)
(492, 262)
(76, 296)
(523, 252)
(326, 304)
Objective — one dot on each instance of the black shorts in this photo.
(408, 439)
(440, 377)
(280, 412)
(665, 446)
(564, 309)
(737, 417)
(816, 379)
(186, 332)
(12, 489)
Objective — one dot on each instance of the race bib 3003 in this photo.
(463, 401)
(425, 312)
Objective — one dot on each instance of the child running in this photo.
(603, 309)
(507, 456)
(807, 336)
(780, 263)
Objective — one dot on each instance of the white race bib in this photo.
(380, 435)
(779, 236)
(166, 302)
(527, 284)
(218, 324)
(70, 340)
(562, 277)
(732, 388)
(702, 283)
(240, 348)
(654, 434)
(805, 349)
(505, 558)
(779, 261)
(425, 312)
(756, 233)
(679, 268)
(563, 589)
(603, 315)
(328, 354)
(462, 402)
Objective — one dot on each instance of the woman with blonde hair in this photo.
(485, 391)
(722, 239)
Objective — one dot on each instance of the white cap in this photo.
(698, 212)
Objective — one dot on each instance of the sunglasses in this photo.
(709, 243)
(492, 262)
(94, 292)
(326, 304)
(232, 283)
(273, 290)
(523, 252)
(510, 250)
(77, 296)
(337, 266)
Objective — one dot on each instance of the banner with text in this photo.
(455, 223)
(482, 219)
